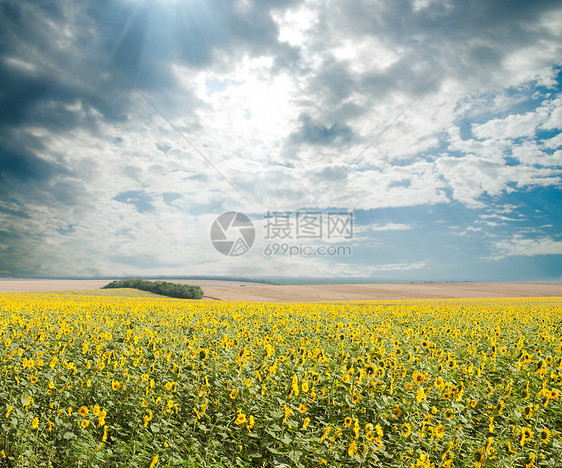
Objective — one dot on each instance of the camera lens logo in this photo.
(233, 234)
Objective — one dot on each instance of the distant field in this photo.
(256, 292)
(122, 292)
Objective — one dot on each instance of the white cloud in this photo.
(518, 245)
(401, 266)
(389, 227)
(512, 126)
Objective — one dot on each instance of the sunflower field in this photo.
(109, 381)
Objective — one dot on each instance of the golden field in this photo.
(123, 381)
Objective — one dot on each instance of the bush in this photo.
(164, 288)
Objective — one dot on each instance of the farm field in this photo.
(260, 292)
(127, 381)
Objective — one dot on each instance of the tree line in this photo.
(164, 288)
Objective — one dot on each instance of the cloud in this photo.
(401, 266)
(313, 133)
(519, 245)
(125, 124)
(384, 227)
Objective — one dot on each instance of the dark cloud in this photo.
(143, 38)
(315, 133)
(23, 165)
(14, 212)
(335, 80)
(66, 230)
(471, 38)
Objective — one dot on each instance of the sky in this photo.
(405, 140)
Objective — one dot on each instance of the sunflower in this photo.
(532, 459)
(154, 461)
(406, 429)
(479, 457)
(370, 370)
(420, 395)
(448, 413)
(302, 408)
(325, 434)
(440, 431)
(526, 435)
(35, 423)
(240, 419)
(115, 385)
(418, 378)
(33, 379)
(355, 398)
(233, 394)
(305, 423)
(251, 422)
(85, 423)
(83, 411)
(347, 421)
(369, 436)
(545, 436)
(288, 412)
(540, 365)
(439, 383)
